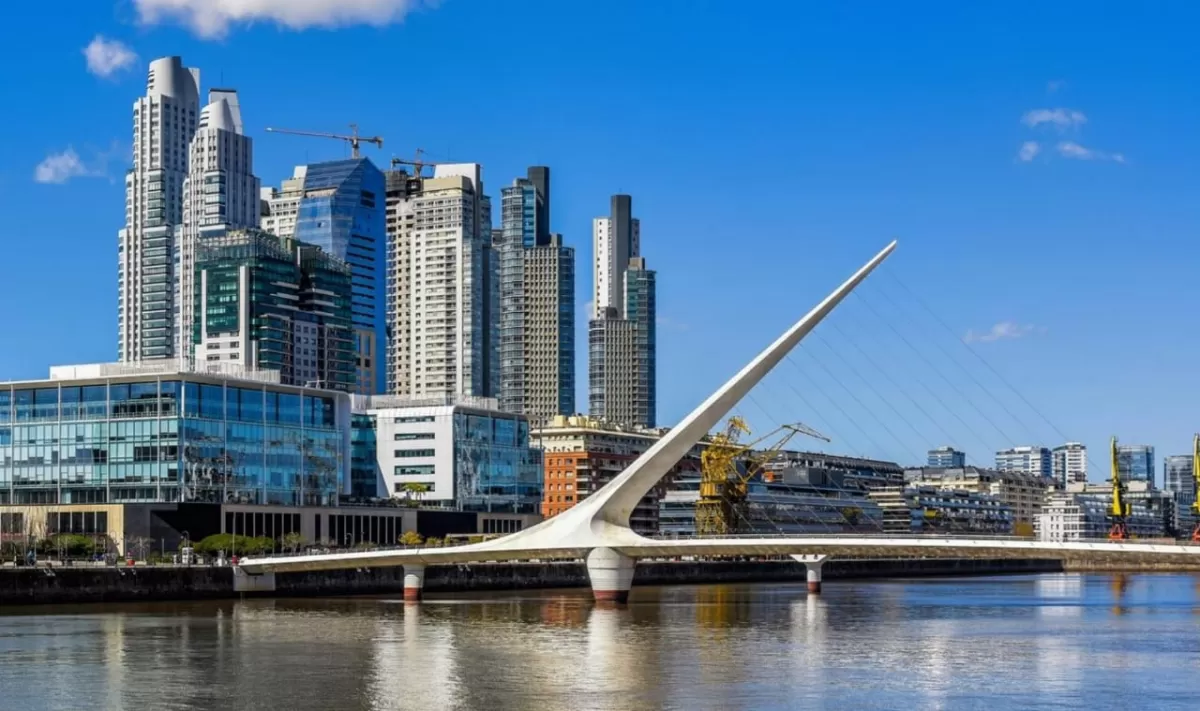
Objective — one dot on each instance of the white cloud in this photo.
(1060, 118)
(1004, 330)
(1070, 149)
(1029, 151)
(106, 57)
(58, 168)
(213, 18)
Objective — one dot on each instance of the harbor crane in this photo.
(353, 139)
(1196, 487)
(1121, 510)
(721, 508)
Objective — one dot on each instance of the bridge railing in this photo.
(920, 537)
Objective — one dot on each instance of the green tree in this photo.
(414, 490)
(293, 541)
(435, 542)
(411, 538)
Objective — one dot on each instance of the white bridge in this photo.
(597, 529)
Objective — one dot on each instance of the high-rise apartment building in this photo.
(164, 121)
(1028, 460)
(537, 304)
(441, 284)
(270, 303)
(1135, 462)
(220, 195)
(1069, 464)
(622, 336)
(945, 457)
(339, 206)
(1178, 477)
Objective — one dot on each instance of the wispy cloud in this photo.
(1005, 330)
(1029, 151)
(106, 57)
(1054, 85)
(1071, 149)
(58, 168)
(1059, 118)
(213, 18)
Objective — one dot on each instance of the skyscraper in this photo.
(622, 346)
(1069, 464)
(220, 194)
(537, 304)
(164, 121)
(1177, 477)
(339, 207)
(270, 303)
(441, 284)
(1135, 462)
(1028, 460)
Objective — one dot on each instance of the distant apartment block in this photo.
(1069, 464)
(946, 457)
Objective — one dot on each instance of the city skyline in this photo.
(1033, 331)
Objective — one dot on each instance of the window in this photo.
(407, 420)
(414, 470)
(405, 453)
(404, 436)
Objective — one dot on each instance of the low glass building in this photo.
(145, 433)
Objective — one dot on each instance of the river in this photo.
(1057, 641)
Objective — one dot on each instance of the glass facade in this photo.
(168, 440)
(495, 469)
(364, 466)
(641, 308)
(343, 213)
(1135, 462)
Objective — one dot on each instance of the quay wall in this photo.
(28, 586)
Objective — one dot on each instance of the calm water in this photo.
(1053, 641)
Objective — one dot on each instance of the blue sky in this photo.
(770, 148)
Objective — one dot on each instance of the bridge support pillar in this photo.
(813, 563)
(244, 582)
(611, 573)
(414, 581)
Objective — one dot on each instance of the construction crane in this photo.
(417, 164)
(1120, 510)
(354, 139)
(723, 485)
(1196, 487)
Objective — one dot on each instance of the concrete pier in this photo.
(611, 575)
(814, 565)
(414, 582)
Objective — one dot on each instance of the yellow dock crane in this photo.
(353, 139)
(1196, 487)
(1120, 510)
(723, 484)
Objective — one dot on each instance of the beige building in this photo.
(1023, 492)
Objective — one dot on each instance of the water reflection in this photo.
(1068, 641)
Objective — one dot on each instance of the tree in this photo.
(435, 542)
(414, 490)
(411, 538)
(293, 542)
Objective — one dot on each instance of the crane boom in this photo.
(353, 139)
(1120, 510)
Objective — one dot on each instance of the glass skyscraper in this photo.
(1135, 462)
(339, 206)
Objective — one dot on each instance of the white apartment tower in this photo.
(615, 240)
(220, 195)
(441, 286)
(1069, 464)
(164, 121)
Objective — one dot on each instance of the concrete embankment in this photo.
(24, 586)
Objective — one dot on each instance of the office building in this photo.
(1135, 462)
(1028, 460)
(945, 457)
(339, 206)
(220, 195)
(537, 304)
(269, 303)
(1179, 478)
(937, 509)
(582, 454)
(1082, 511)
(164, 121)
(1069, 464)
(1020, 491)
(454, 451)
(622, 334)
(441, 284)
